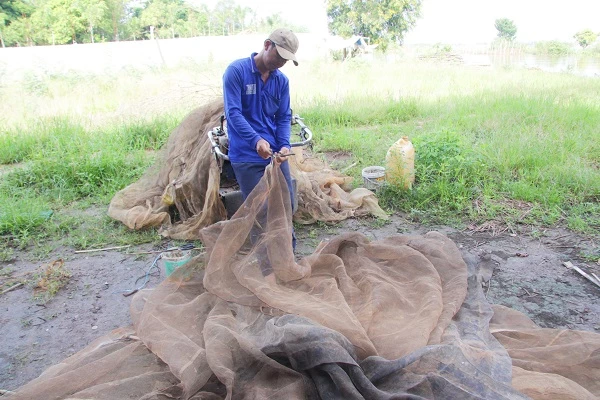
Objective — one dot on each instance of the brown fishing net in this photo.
(549, 363)
(400, 318)
(180, 193)
(325, 194)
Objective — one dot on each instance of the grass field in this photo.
(511, 147)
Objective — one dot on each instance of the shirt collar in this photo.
(253, 63)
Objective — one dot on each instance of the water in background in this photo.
(577, 65)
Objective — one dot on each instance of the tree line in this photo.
(507, 30)
(50, 22)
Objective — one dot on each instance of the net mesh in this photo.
(180, 193)
(402, 317)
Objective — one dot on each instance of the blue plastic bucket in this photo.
(174, 260)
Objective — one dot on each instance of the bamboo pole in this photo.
(10, 289)
(570, 265)
(104, 249)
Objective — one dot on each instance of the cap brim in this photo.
(288, 55)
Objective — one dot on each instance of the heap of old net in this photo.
(180, 193)
(403, 317)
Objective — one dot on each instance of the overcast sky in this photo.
(471, 21)
(460, 21)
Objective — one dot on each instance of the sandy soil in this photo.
(526, 274)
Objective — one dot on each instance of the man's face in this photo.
(273, 60)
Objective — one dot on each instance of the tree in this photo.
(197, 21)
(506, 29)
(10, 11)
(18, 33)
(163, 15)
(225, 11)
(274, 21)
(382, 21)
(175, 15)
(92, 11)
(153, 15)
(116, 11)
(584, 37)
(3, 20)
(44, 20)
(14, 9)
(134, 29)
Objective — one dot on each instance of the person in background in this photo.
(257, 107)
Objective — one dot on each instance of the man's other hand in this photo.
(263, 148)
(281, 156)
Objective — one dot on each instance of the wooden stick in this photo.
(596, 276)
(18, 285)
(148, 252)
(570, 265)
(348, 167)
(154, 251)
(162, 251)
(105, 249)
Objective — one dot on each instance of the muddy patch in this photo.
(37, 333)
(339, 160)
(529, 276)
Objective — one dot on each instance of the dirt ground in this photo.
(526, 274)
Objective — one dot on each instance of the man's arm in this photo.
(232, 95)
(283, 119)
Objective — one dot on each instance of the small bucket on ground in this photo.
(373, 177)
(175, 259)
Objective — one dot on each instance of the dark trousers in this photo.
(248, 175)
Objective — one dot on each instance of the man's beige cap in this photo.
(286, 43)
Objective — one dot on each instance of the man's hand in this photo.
(263, 148)
(281, 156)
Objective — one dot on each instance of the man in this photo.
(257, 108)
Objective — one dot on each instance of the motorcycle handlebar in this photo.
(305, 133)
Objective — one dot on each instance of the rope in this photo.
(146, 276)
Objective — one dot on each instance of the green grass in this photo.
(520, 147)
(517, 150)
(62, 163)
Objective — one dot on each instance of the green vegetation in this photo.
(514, 147)
(61, 165)
(383, 22)
(519, 159)
(585, 37)
(51, 22)
(509, 147)
(49, 281)
(553, 48)
(506, 28)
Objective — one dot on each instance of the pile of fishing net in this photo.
(180, 193)
(401, 317)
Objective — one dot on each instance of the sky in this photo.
(472, 21)
(460, 21)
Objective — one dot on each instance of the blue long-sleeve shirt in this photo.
(255, 110)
